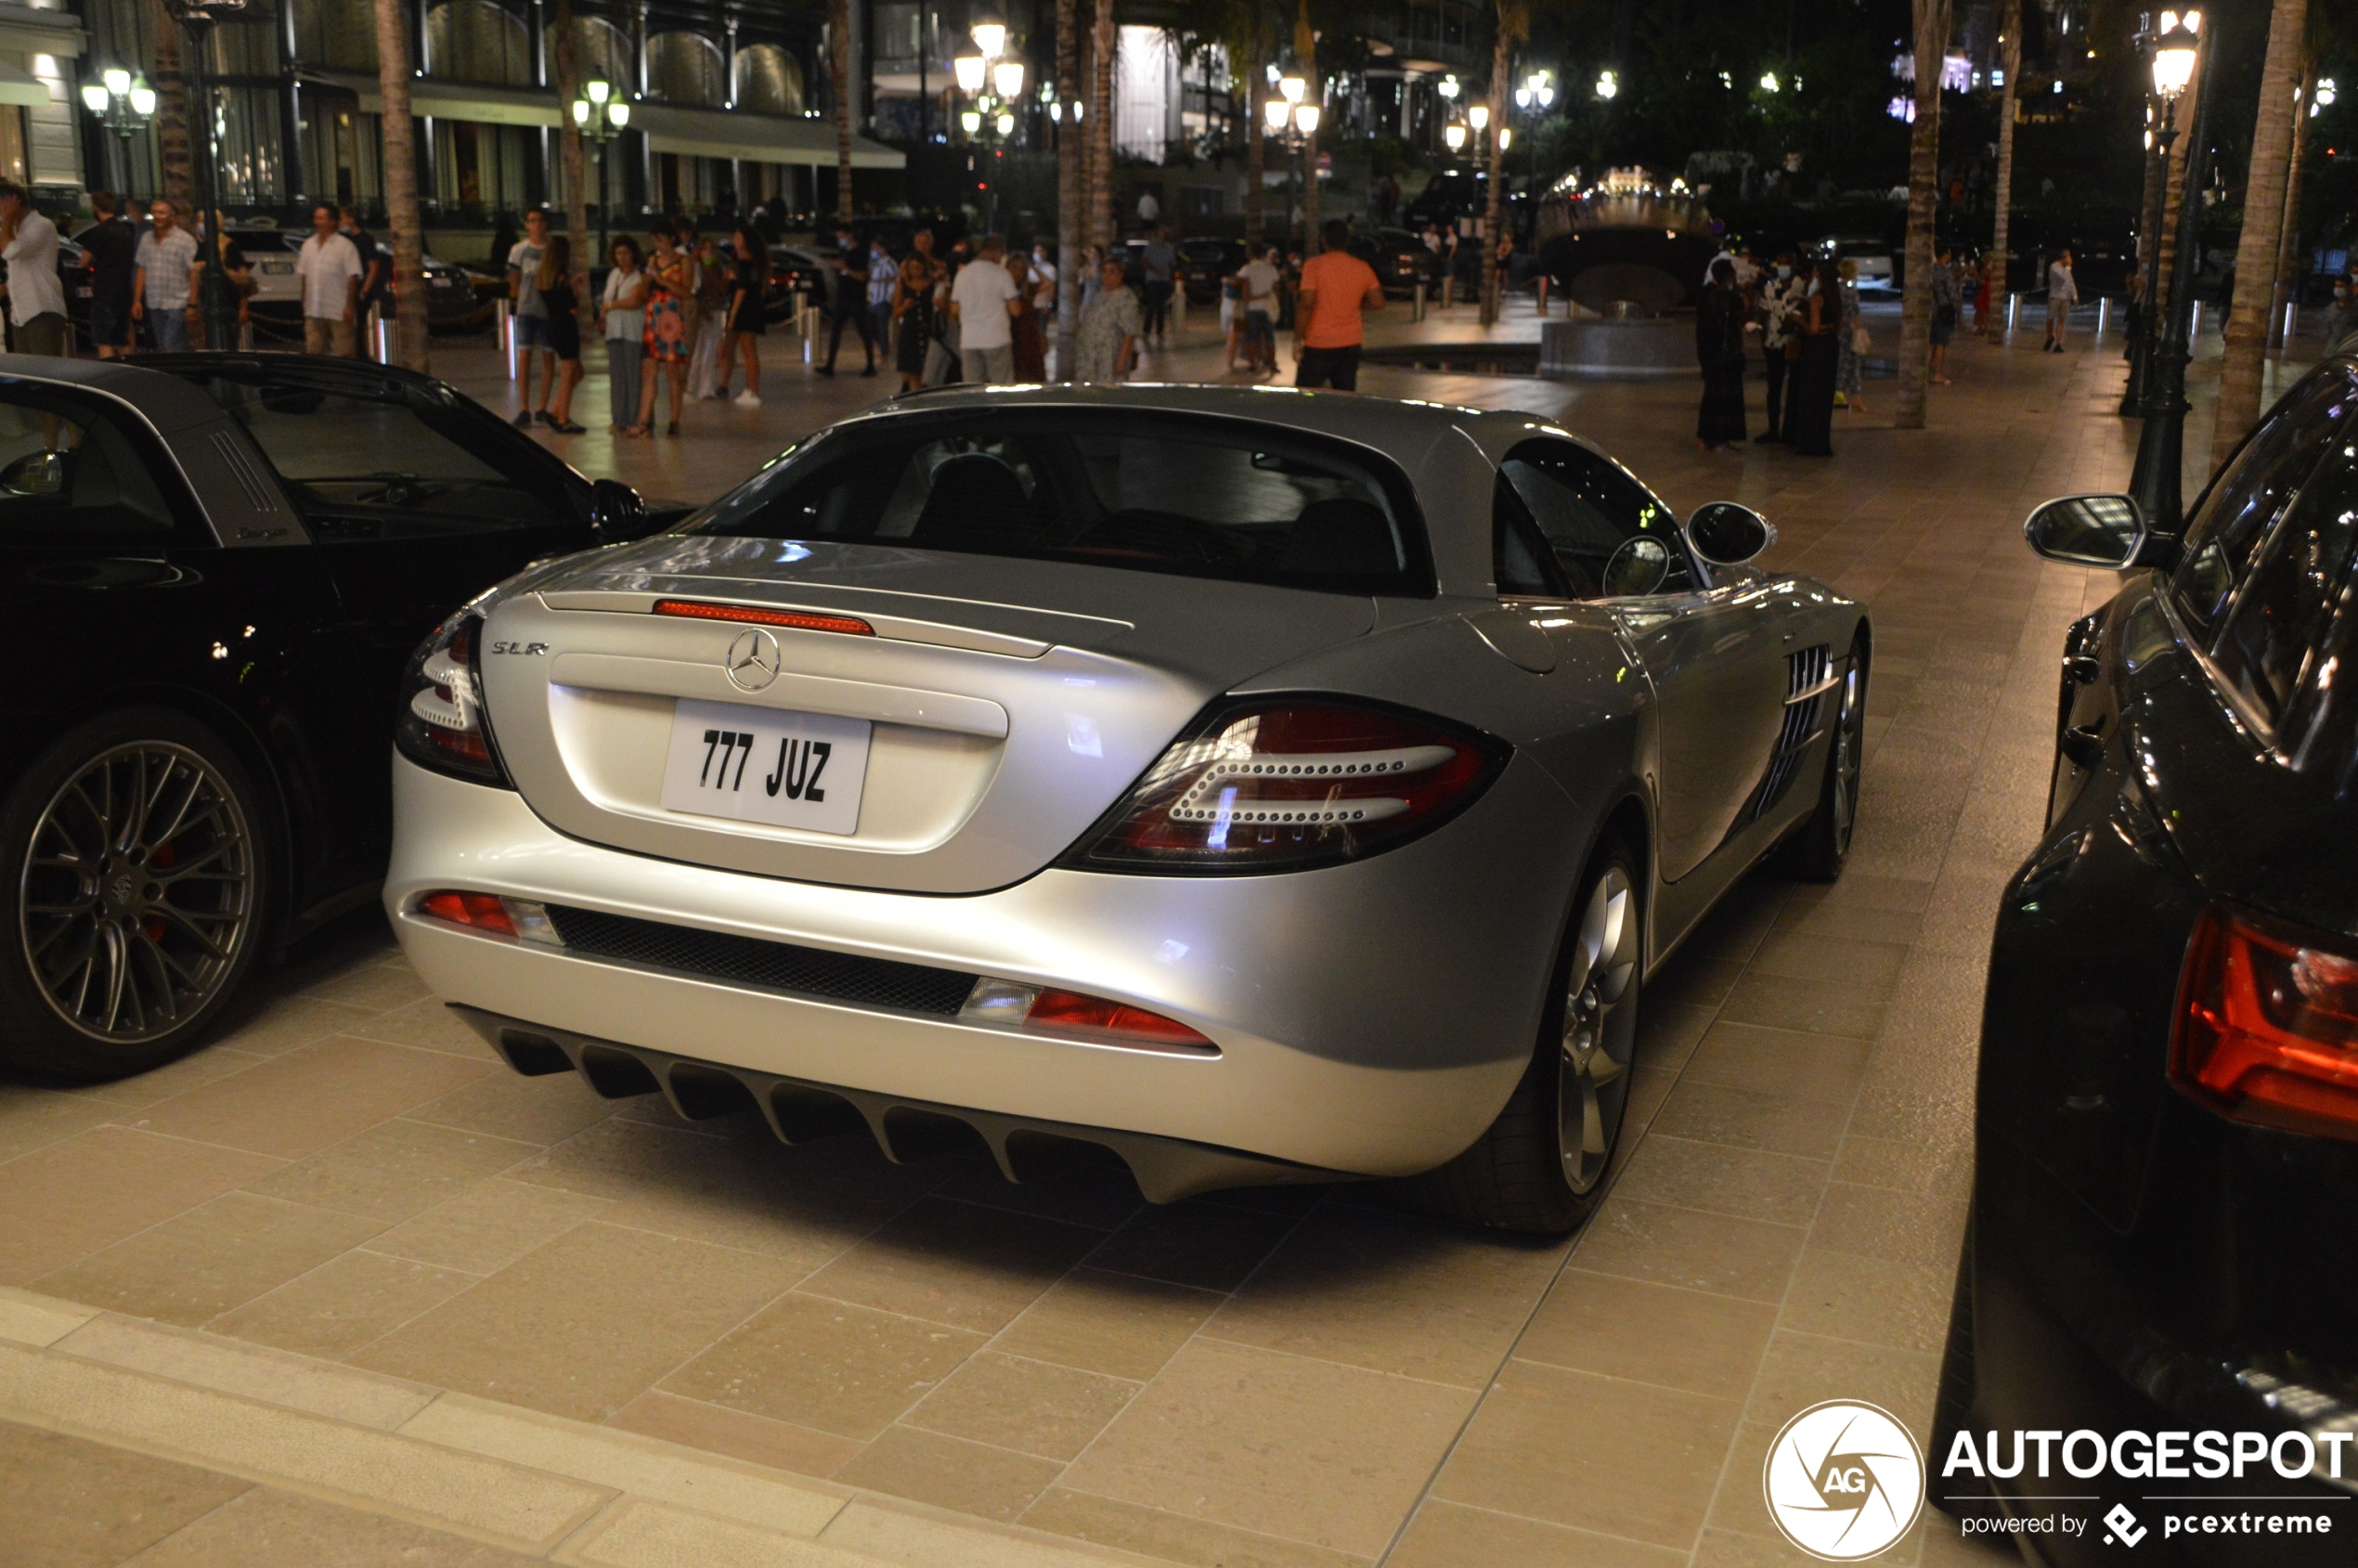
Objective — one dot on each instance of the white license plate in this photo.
(766, 765)
(278, 268)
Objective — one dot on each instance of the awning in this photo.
(698, 133)
(20, 87)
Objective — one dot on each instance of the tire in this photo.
(1540, 1168)
(1817, 848)
(1953, 1400)
(126, 929)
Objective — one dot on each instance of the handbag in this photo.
(1859, 342)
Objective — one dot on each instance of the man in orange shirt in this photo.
(1336, 286)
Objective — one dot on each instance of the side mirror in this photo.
(43, 475)
(2105, 531)
(616, 511)
(1729, 535)
(1637, 568)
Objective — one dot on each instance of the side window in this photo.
(71, 475)
(386, 468)
(1586, 510)
(2224, 537)
(1517, 553)
(2268, 644)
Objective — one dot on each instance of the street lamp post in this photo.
(994, 82)
(216, 298)
(2170, 58)
(126, 105)
(1292, 121)
(2156, 480)
(601, 115)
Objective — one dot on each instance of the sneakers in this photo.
(748, 400)
(523, 420)
(543, 416)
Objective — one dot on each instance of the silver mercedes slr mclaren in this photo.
(1250, 786)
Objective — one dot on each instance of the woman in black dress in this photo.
(749, 309)
(562, 334)
(1809, 396)
(913, 317)
(1720, 347)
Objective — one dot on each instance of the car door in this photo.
(1714, 654)
(123, 594)
(416, 504)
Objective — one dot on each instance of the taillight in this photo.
(2267, 1024)
(522, 918)
(441, 723)
(800, 621)
(1072, 1014)
(1286, 784)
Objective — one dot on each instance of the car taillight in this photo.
(520, 918)
(2267, 1024)
(441, 723)
(1284, 784)
(1071, 1015)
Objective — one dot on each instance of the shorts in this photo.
(45, 333)
(1338, 368)
(109, 323)
(532, 331)
(330, 335)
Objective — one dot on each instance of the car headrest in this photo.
(1340, 536)
(975, 500)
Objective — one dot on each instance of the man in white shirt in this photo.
(2063, 292)
(979, 302)
(1257, 297)
(528, 318)
(36, 295)
(330, 267)
(162, 279)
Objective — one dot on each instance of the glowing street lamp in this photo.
(1768, 82)
(1608, 84)
(1305, 118)
(1291, 87)
(1007, 77)
(990, 37)
(1478, 116)
(1455, 135)
(1276, 113)
(2174, 54)
(126, 105)
(969, 71)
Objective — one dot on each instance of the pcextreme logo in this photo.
(1843, 1481)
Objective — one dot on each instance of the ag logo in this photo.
(1843, 1481)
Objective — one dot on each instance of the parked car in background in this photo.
(225, 560)
(453, 299)
(2163, 1236)
(1208, 263)
(1871, 256)
(1253, 789)
(798, 269)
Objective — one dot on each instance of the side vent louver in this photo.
(261, 495)
(1809, 674)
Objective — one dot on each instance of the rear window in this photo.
(1187, 496)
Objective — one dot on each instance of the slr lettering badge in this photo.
(752, 661)
(766, 765)
(1843, 1481)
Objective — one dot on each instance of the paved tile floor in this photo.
(1307, 1377)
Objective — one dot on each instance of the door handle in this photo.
(2081, 670)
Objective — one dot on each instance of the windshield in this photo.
(1191, 496)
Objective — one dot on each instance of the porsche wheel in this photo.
(133, 880)
(1820, 845)
(1541, 1167)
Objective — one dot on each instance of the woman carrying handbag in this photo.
(1810, 397)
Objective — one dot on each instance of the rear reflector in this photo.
(521, 918)
(800, 621)
(2267, 1024)
(1074, 1015)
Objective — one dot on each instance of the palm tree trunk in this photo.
(2256, 252)
(1923, 197)
(1256, 144)
(1305, 48)
(2010, 25)
(570, 162)
(172, 114)
(2288, 245)
(1502, 60)
(1070, 179)
(1101, 227)
(839, 69)
(401, 188)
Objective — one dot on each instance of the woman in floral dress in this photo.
(670, 281)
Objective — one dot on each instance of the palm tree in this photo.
(839, 68)
(2009, 39)
(171, 112)
(399, 133)
(1924, 198)
(570, 160)
(1070, 181)
(1100, 223)
(2256, 254)
(1514, 26)
(2287, 278)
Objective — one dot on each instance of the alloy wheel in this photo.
(138, 893)
(1599, 1029)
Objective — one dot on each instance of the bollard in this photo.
(504, 322)
(1543, 294)
(2292, 318)
(2104, 318)
(806, 325)
(2013, 308)
(380, 336)
(1448, 291)
(1416, 301)
(2195, 331)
